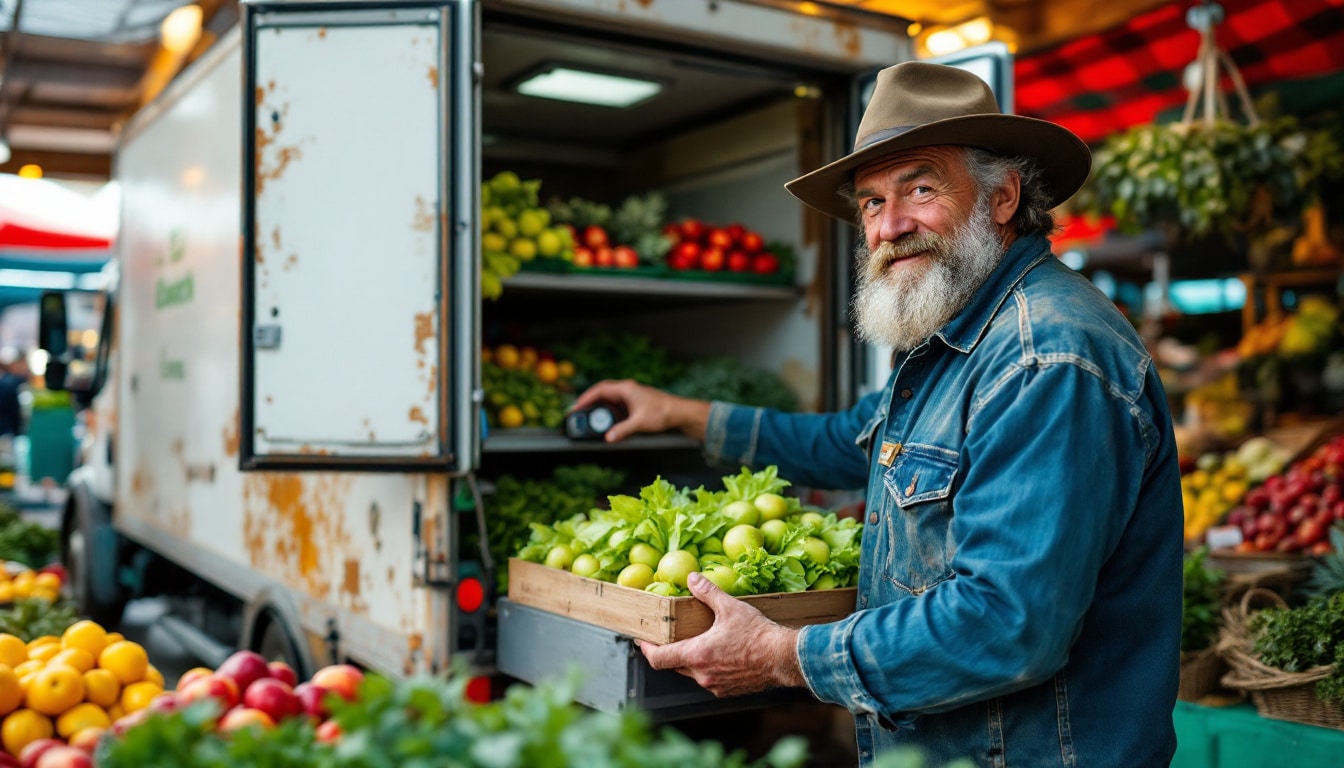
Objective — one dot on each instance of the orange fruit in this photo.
(43, 640)
(506, 356)
(44, 652)
(6, 592)
(566, 369)
(153, 675)
(23, 584)
(13, 651)
(11, 692)
(22, 728)
(85, 635)
(79, 717)
(55, 689)
(101, 687)
(78, 658)
(547, 371)
(510, 417)
(116, 712)
(47, 581)
(114, 637)
(29, 667)
(137, 696)
(125, 659)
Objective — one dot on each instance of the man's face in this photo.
(929, 242)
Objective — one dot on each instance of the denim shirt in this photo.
(1019, 599)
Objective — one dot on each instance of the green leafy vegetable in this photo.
(32, 617)
(1200, 602)
(1298, 639)
(728, 380)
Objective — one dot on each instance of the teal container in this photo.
(51, 441)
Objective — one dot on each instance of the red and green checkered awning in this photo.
(1131, 74)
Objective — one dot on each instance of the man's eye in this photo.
(871, 204)
(922, 189)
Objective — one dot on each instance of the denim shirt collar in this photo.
(964, 331)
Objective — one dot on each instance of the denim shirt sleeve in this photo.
(815, 450)
(1053, 463)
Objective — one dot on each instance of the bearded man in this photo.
(1019, 597)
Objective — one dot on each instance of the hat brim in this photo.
(1063, 157)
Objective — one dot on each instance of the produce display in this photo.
(1311, 329)
(516, 504)
(747, 539)
(524, 387)
(628, 237)
(1293, 511)
(69, 689)
(428, 722)
(514, 230)
(728, 380)
(1219, 482)
(38, 616)
(697, 246)
(1201, 602)
(29, 544)
(1300, 638)
(19, 582)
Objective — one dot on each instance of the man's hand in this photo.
(743, 652)
(648, 409)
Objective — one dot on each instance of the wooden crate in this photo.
(646, 616)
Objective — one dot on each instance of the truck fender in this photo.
(276, 608)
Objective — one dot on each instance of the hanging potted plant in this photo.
(1214, 175)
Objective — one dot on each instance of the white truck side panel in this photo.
(332, 546)
(347, 240)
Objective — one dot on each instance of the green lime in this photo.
(548, 243)
(523, 249)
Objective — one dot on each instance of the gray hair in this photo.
(988, 170)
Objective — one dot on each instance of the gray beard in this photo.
(903, 310)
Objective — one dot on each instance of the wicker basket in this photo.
(1201, 673)
(1276, 694)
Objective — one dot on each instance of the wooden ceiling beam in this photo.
(64, 165)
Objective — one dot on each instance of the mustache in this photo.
(907, 245)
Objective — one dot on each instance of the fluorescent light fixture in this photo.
(36, 278)
(565, 84)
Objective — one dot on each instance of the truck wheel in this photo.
(275, 644)
(76, 550)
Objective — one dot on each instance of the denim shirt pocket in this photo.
(919, 516)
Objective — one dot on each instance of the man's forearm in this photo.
(690, 416)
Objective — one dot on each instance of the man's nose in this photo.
(893, 222)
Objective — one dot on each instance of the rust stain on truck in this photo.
(424, 216)
(231, 436)
(433, 77)
(292, 529)
(850, 38)
(424, 330)
(418, 415)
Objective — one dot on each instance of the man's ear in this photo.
(1006, 198)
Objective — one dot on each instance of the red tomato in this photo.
(765, 264)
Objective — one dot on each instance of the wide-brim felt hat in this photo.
(920, 104)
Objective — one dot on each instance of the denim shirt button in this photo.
(872, 518)
(906, 394)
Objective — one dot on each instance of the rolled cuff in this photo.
(731, 434)
(826, 659)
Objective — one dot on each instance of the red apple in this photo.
(164, 702)
(86, 738)
(765, 264)
(684, 255)
(127, 722)
(595, 237)
(8, 761)
(672, 231)
(625, 257)
(221, 689)
(751, 242)
(735, 231)
(65, 757)
(244, 668)
(692, 229)
(285, 673)
(341, 679)
(191, 675)
(29, 755)
(583, 256)
(273, 697)
(313, 699)
(719, 238)
(712, 260)
(329, 731)
(604, 257)
(739, 261)
(244, 717)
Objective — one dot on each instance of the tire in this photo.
(76, 551)
(274, 642)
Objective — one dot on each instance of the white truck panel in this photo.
(347, 240)
(338, 546)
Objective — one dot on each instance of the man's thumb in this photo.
(707, 591)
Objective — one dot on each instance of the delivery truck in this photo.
(283, 426)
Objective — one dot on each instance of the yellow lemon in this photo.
(137, 696)
(79, 717)
(101, 687)
(13, 651)
(55, 689)
(22, 728)
(125, 659)
(44, 652)
(11, 692)
(86, 635)
(78, 658)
